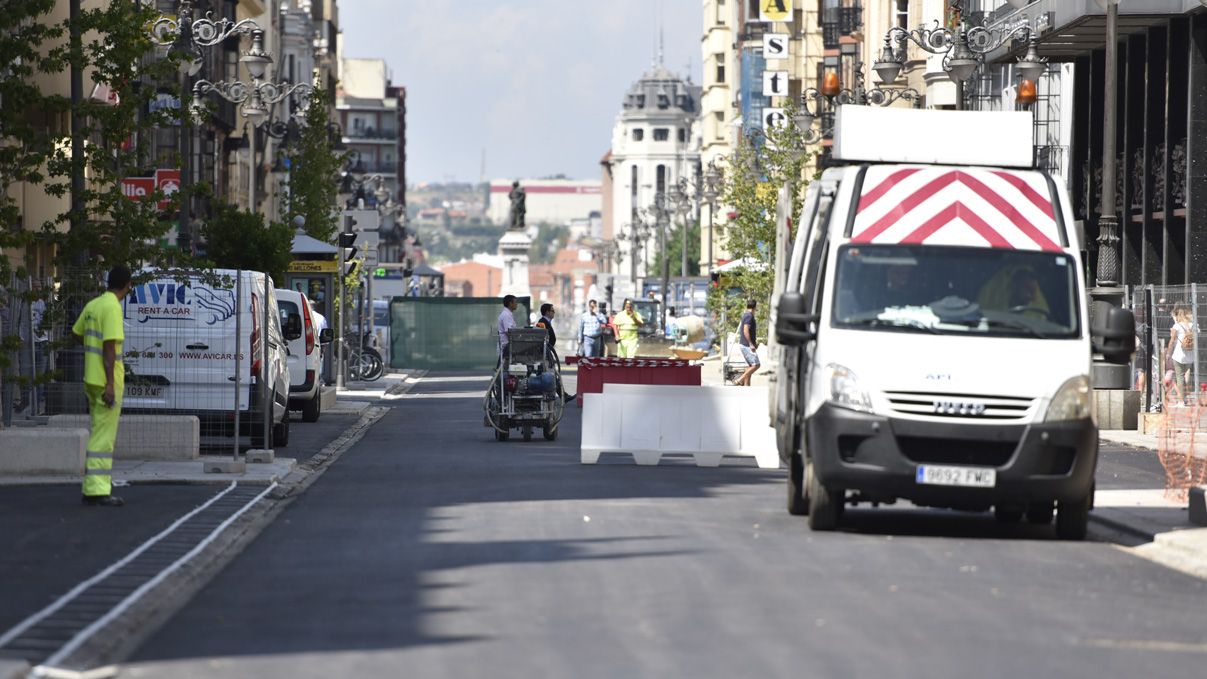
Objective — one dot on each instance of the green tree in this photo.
(314, 171)
(762, 163)
(241, 240)
(674, 250)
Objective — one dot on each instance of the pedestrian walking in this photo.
(100, 329)
(546, 322)
(627, 322)
(749, 343)
(590, 331)
(1181, 350)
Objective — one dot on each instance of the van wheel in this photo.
(825, 504)
(798, 505)
(1072, 518)
(280, 432)
(1039, 513)
(313, 407)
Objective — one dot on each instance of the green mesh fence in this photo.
(448, 333)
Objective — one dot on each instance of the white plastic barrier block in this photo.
(706, 422)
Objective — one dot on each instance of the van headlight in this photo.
(1071, 402)
(845, 390)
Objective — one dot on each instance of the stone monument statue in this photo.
(518, 208)
(513, 247)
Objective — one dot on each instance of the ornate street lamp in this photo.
(205, 32)
(832, 94)
(254, 101)
(963, 48)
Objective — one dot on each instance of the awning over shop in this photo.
(1072, 28)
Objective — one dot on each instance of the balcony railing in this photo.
(839, 18)
(371, 133)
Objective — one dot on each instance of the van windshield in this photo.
(957, 290)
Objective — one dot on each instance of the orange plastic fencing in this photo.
(1182, 444)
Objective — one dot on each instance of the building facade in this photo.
(655, 142)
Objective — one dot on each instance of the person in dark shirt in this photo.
(546, 322)
(748, 340)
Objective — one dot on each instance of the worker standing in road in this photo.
(627, 322)
(100, 328)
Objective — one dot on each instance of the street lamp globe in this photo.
(254, 110)
(963, 63)
(887, 67)
(1032, 66)
(256, 59)
(802, 120)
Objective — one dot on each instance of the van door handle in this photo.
(197, 347)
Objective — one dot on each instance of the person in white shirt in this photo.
(506, 320)
(1181, 351)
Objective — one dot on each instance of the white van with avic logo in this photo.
(185, 335)
(935, 341)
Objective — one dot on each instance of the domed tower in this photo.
(655, 142)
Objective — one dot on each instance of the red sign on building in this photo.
(167, 181)
(138, 188)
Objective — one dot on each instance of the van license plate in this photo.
(974, 477)
(144, 391)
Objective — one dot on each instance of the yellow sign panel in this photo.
(775, 10)
(313, 266)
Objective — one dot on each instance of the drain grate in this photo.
(55, 632)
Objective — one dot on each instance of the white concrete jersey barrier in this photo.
(650, 421)
(35, 451)
(147, 437)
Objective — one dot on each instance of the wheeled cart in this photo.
(526, 392)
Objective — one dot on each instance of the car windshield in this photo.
(957, 290)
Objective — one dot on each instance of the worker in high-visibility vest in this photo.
(100, 328)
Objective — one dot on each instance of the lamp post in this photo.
(1107, 274)
(831, 94)
(712, 189)
(963, 49)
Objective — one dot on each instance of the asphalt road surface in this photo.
(430, 550)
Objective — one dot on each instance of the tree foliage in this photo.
(241, 240)
(752, 178)
(314, 171)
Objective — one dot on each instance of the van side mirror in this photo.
(293, 327)
(1114, 334)
(793, 323)
(326, 336)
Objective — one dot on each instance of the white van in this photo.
(182, 340)
(933, 327)
(305, 354)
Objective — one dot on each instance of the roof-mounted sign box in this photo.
(874, 134)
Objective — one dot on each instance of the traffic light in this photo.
(348, 250)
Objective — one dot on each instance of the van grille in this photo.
(922, 449)
(960, 406)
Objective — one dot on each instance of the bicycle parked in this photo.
(364, 362)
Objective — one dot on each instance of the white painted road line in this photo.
(66, 598)
(137, 594)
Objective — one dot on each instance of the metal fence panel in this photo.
(448, 333)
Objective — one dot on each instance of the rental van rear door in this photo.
(155, 313)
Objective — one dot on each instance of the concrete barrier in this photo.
(42, 451)
(1117, 408)
(148, 437)
(650, 421)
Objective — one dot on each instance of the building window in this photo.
(661, 179)
(720, 12)
(720, 59)
(661, 134)
(719, 119)
(903, 14)
(633, 182)
(682, 135)
(638, 134)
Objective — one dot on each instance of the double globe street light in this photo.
(832, 93)
(963, 48)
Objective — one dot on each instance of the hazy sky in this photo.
(536, 83)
